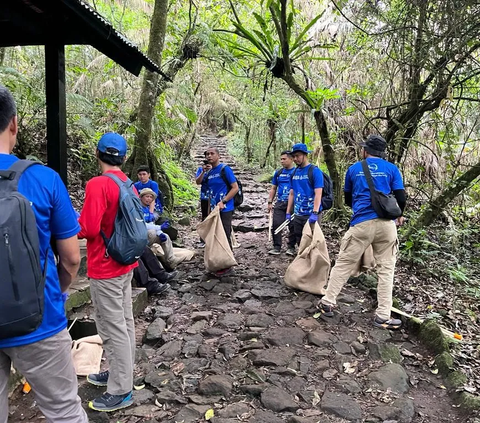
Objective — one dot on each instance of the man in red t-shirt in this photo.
(110, 281)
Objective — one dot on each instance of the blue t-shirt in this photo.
(283, 183)
(303, 192)
(386, 178)
(217, 188)
(147, 216)
(154, 187)
(55, 217)
(204, 185)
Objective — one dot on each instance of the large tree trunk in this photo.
(438, 204)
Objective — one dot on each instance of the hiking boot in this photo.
(98, 379)
(326, 310)
(291, 252)
(171, 276)
(223, 272)
(274, 252)
(159, 288)
(108, 402)
(387, 323)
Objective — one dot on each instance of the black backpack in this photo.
(22, 280)
(129, 237)
(238, 199)
(327, 192)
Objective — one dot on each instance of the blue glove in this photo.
(288, 216)
(165, 225)
(163, 237)
(313, 218)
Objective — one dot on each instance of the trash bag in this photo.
(87, 355)
(217, 252)
(366, 262)
(309, 270)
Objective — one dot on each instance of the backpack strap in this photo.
(293, 174)
(310, 175)
(224, 177)
(368, 176)
(278, 172)
(128, 183)
(13, 173)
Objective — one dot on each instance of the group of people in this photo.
(40, 346)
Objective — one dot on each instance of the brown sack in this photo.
(217, 253)
(309, 271)
(87, 355)
(366, 262)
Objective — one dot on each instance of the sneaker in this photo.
(98, 379)
(201, 244)
(326, 310)
(291, 252)
(223, 272)
(387, 323)
(171, 276)
(274, 252)
(160, 288)
(108, 402)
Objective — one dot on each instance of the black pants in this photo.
(149, 271)
(298, 224)
(204, 207)
(226, 218)
(279, 216)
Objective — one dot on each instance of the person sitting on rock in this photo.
(151, 275)
(281, 184)
(222, 187)
(155, 232)
(144, 181)
(305, 196)
(366, 228)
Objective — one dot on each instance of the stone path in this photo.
(251, 350)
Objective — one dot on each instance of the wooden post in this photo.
(56, 108)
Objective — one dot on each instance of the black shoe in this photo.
(159, 288)
(109, 402)
(387, 323)
(171, 276)
(326, 310)
(98, 379)
(274, 251)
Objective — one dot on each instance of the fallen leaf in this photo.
(317, 315)
(316, 398)
(209, 414)
(434, 371)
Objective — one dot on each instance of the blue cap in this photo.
(300, 147)
(112, 143)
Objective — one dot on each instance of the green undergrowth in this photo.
(184, 192)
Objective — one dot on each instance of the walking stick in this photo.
(284, 225)
(270, 223)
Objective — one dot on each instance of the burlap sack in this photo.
(179, 254)
(366, 262)
(309, 271)
(217, 253)
(87, 355)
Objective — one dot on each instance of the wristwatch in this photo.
(224, 202)
(315, 212)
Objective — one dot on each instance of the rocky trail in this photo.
(252, 350)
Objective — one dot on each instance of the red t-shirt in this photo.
(98, 213)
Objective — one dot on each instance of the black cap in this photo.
(375, 145)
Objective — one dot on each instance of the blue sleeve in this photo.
(199, 171)
(317, 178)
(229, 175)
(275, 179)
(154, 187)
(397, 182)
(63, 221)
(137, 186)
(348, 181)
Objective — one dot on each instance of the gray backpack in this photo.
(129, 237)
(22, 281)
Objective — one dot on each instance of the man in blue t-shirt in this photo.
(366, 228)
(305, 197)
(281, 184)
(144, 181)
(222, 187)
(44, 355)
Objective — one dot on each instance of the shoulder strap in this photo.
(128, 183)
(310, 174)
(278, 172)
(293, 174)
(224, 177)
(368, 176)
(16, 170)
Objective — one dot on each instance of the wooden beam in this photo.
(56, 108)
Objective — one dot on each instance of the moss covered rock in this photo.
(455, 380)
(444, 362)
(432, 336)
(468, 401)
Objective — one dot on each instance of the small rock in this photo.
(171, 349)
(320, 338)
(231, 321)
(329, 374)
(169, 397)
(197, 327)
(265, 293)
(348, 385)
(242, 295)
(163, 312)
(276, 399)
(260, 320)
(209, 285)
(308, 324)
(264, 417)
(391, 376)
(254, 390)
(387, 352)
(216, 385)
(214, 332)
(345, 298)
(155, 330)
(191, 413)
(201, 315)
(341, 405)
(184, 221)
(201, 400)
(272, 357)
(234, 410)
(358, 347)
(342, 348)
(304, 305)
(144, 396)
(285, 336)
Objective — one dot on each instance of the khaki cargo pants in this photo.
(47, 365)
(382, 235)
(112, 301)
